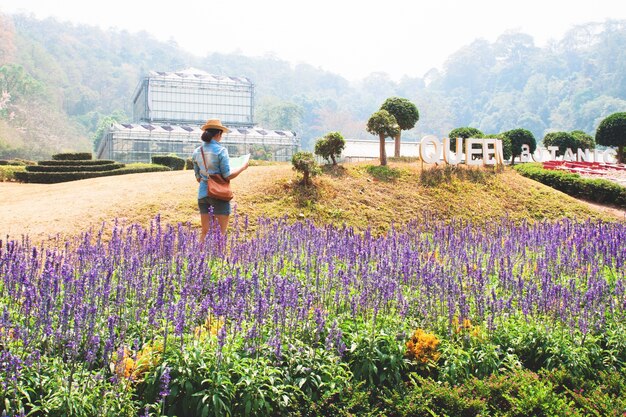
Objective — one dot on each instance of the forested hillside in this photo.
(61, 81)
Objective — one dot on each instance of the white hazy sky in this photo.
(350, 38)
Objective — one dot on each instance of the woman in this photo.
(217, 162)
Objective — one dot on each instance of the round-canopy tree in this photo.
(506, 143)
(519, 137)
(583, 140)
(463, 132)
(612, 132)
(330, 146)
(406, 115)
(563, 140)
(383, 124)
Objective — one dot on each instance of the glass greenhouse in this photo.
(139, 142)
(170, 107)
(187, 97)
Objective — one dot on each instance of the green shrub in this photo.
(74, 168)
(383, 172)
(82, 162)
(599, 190)
(72, 156)
(174, 162)
(188, 163)
(56, 177)
(7, 172)
(376, 358)
(304, 162)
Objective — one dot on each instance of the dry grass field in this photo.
(355, 194)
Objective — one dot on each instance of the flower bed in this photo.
(304, 320)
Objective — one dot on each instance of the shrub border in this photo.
(597, 190)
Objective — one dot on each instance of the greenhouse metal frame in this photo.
(139, 142)
(187, 97)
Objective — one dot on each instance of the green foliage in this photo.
(104, 123)
(175, 163)
(72, 156)
(463, 132)
(304, 162)
(64, 389)
(404, 111)
(563, 140)
(519, 137)
(7, 172)
(612, 132)
(330, 146)
(383, 173)
(56, 177)
(376, 357)
(599, 190)
(383, 124)
(506, 144)
(583, 140)
(75, 167)
(80, 162)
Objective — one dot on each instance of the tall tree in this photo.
(519, 137)
(406, 115)
(612, 132)
(383, 124)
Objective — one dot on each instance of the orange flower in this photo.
(422, 347)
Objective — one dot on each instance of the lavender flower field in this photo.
(292, 317)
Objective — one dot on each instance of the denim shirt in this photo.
(217, 162)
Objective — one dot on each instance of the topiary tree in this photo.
(463, 132)
(583, 140)
(304, 162)
(406, 115)
(612, 132)
(519, 137)
(383, 124)
(563, 140)
(506, 144)
(330, 146)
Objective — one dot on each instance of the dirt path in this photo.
(42, 211)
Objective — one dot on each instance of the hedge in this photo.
(72, 156)
(172, 161)
(598, 190)
(188, 163)
(74, 168)
(56, 177)
(76, 162)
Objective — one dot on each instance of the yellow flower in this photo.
(422, 347)
(211, 327)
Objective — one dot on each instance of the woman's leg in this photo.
(222, 220)
(205, 221)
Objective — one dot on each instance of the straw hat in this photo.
(215, 124)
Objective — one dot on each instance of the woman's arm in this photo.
(239, 171)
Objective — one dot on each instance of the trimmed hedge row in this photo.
(172, 161)
(75, 168)
(598, 190)
(72, 156)
(76, 162)
(56, 177)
